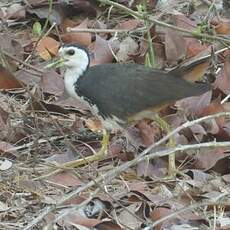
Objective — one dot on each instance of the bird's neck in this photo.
(71, 76)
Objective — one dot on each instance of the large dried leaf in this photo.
(52, 83)
(47, 48)
(78, 37)
(102, 50)
(127, 47)
(223, 79)
(175, 46)
(8, 80)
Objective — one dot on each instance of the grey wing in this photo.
(124, 90)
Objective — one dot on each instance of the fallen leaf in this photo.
(128, 217)
(102, 50)
(14, 11)
(193, 45)
(197, 73)
(214, 107)
(159, 213)
(47, 48)
(156, 168)
(147, 132)
(75, 218)
(223, 78)
(43, 12)
(194, 105)
(65, 179)
(175, 46)
(127, 46)
(108, 225)
(52, 83)
(78, 37)
(223, 27)
(6, 147)
(130, 24)
(207, 159)
(8, 80)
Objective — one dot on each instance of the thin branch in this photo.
(89, 30)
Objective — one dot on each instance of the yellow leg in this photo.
(77, 163)
(96, 157)
(172, 171)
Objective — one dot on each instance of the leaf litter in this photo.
(43, 130)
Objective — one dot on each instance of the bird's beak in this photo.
(56, 62)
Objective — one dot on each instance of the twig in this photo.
(23, 62)
(87, 30)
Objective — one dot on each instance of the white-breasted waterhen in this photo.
(118, 92)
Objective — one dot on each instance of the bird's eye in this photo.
(70, 52)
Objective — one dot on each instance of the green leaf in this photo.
(37, 29)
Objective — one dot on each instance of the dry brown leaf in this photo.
(214, 107)
(130, 24)
(78, 37)
(14, 11)
(129, 219)
(147, 132)
(8, 80)
(223, 27)
(193, 45)
(207, 159)
(67, 23)
(102, 50)
(156, 168)
(194, 105)
(52, 83)
(93, 124)
(6, 147)
(47, 48)
(108, 225)
(65, 179)
(159, 213)
(223, 79)
(175, 46)
(127, 48)
(87, 6)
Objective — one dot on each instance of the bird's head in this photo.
(74, 56)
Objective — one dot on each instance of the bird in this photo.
(119, 93)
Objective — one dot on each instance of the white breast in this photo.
(70, 79)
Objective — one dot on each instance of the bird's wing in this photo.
(124, 90)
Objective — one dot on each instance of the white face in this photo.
(74, 57)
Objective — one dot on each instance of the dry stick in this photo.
(163, 24)
(88, 30)
(114, 172)
(23, 62)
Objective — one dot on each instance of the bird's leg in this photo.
(172, 171)
(96, 157)
(104, 144)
